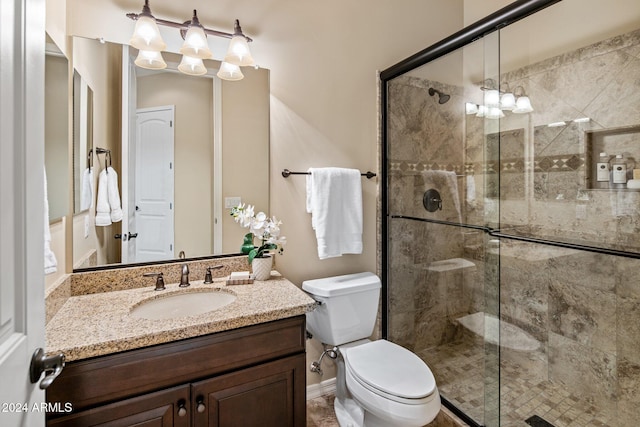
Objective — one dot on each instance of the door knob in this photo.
(132, 235)
(51, 366)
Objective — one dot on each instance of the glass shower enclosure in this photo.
(511, 214)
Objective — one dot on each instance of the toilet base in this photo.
(348, 413)
(351, 409)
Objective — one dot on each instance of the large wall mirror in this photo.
(56, 130)
(183, 147)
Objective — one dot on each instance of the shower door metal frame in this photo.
(491, 23)
(513, 12)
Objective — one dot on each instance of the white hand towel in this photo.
(86, 192)
(103, 217)
(50, 261)
(334, 198)
(471, 191)
(113, 195)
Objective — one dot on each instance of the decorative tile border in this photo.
(560, 163)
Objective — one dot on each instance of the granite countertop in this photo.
(99, 324)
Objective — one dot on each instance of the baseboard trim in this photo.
(325, 387)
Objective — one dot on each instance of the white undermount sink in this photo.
(182, 304)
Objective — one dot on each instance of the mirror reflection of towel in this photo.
(86, 190)
(103, 210)
(114, 195)
(50, 261)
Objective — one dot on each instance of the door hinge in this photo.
(171, 246)
(170, 165)
(170, 205)
(170, 123)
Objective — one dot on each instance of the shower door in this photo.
(511, 249)
(442, 192)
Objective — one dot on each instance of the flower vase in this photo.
(262, 267)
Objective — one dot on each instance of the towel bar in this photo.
(287, 172)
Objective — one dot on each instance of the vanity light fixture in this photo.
(230, 72)
(147, 39)
(150, 59)
(499, 99)
(523, 103)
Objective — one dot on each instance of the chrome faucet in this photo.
(184, 278)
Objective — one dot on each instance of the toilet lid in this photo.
(392, 369)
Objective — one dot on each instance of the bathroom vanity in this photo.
(243, 364)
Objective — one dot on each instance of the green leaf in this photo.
(247, 244)
(252, 255)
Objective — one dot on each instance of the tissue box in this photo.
(240, 278)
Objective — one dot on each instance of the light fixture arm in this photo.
(183, 27)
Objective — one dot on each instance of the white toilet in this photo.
(378, 383)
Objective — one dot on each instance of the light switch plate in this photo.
(232, 202)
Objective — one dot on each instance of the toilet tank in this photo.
(348, 307)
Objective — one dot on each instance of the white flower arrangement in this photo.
(264, 228)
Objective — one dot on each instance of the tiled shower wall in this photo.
(583, 307)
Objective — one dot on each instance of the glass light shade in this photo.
(238, 52)
(195, 43)
(492, 98)
(523, 105)
(482, 111)
(150, 59)
(146, 35)
(230, 72)
(507, 101)
(192, 66)
(471, 108)
(494, 113)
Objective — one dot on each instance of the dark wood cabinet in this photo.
(252, 376)
(257, 397)
(162, 409)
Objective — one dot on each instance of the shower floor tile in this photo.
(463, 379)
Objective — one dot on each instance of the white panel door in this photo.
(154, 179)
(22, 208)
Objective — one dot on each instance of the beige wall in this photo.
(192, 98)
(56, 135)
(245, 136)
(99, 65)
(322, 59)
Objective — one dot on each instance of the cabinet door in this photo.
(161, 409)
(271, 394)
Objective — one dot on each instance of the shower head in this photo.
(442, 97)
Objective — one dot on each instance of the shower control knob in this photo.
(432, 201)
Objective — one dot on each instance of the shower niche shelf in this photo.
(622, 140)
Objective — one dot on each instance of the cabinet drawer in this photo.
(91, 382)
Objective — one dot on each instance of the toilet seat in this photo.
(391, 371)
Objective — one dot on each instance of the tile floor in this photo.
(320, 412)
(462, 377)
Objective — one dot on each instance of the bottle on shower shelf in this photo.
(602, 171)
(620, 168)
